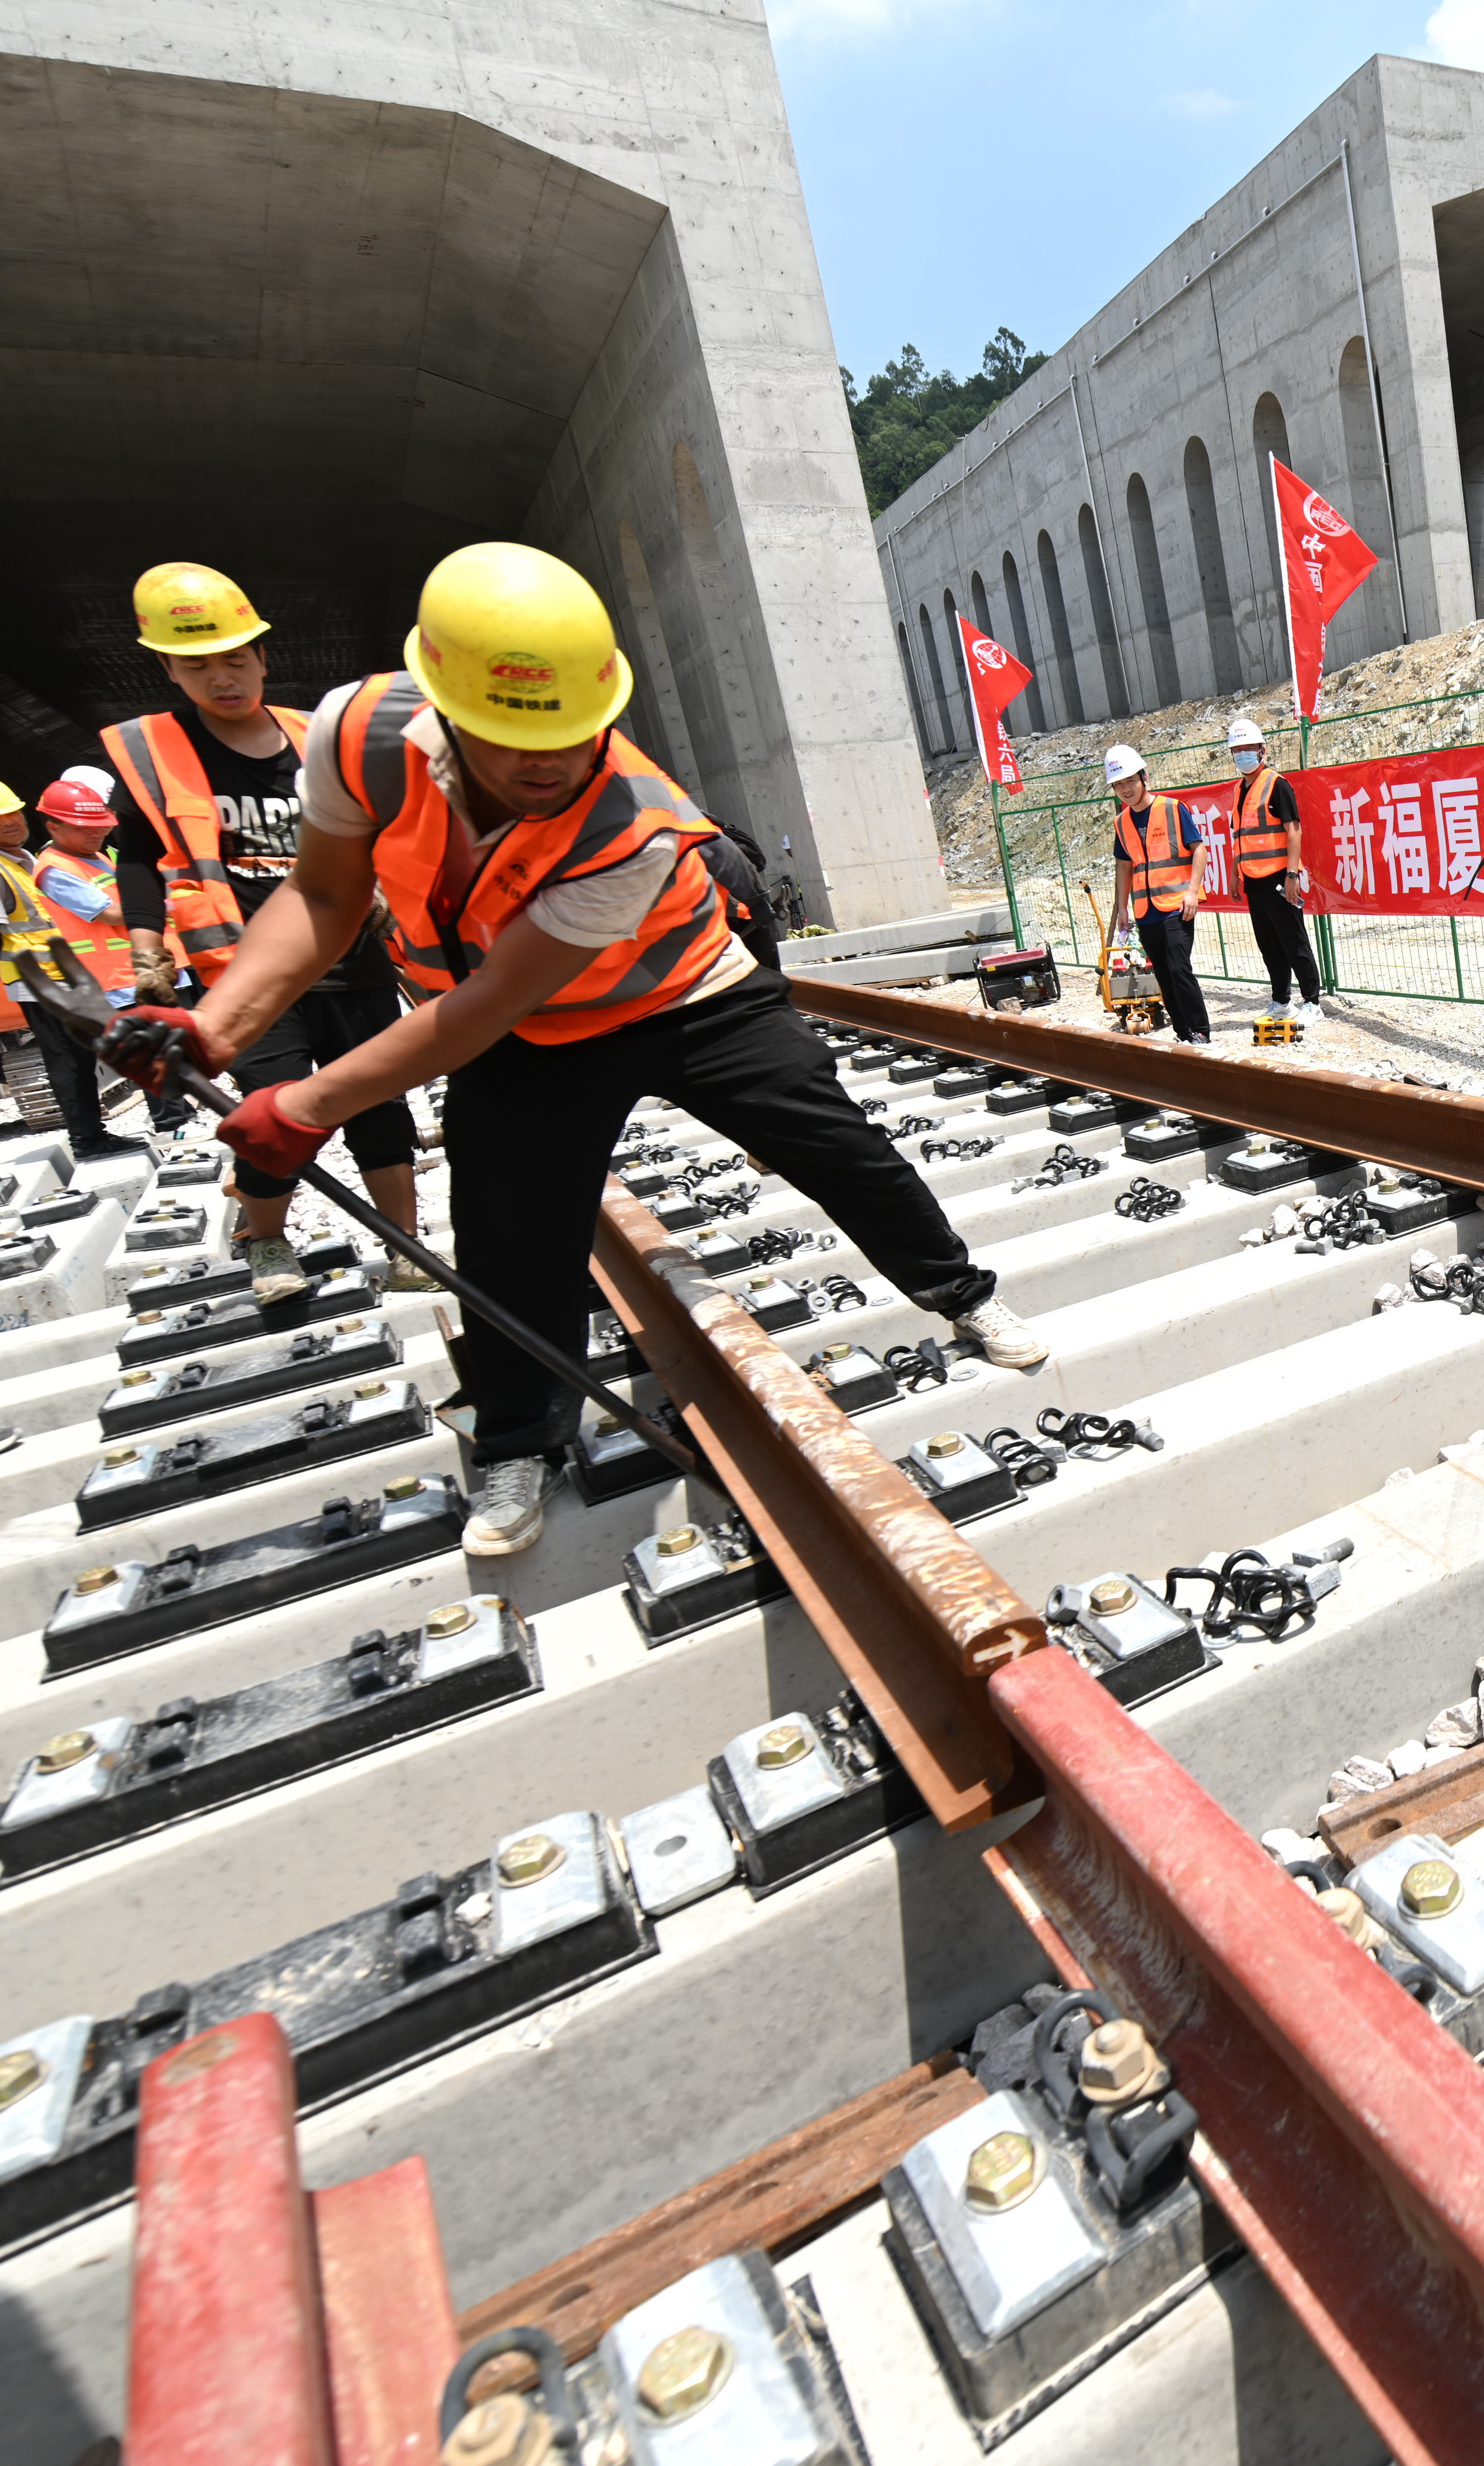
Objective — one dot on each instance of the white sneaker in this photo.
(276, 1274)
(508, 1513)
(1274, 1011)
(1308, 1015)
(1010, 1344)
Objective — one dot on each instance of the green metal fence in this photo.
(1055, 836)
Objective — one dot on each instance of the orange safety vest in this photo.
(1162, 866)
(443, 938)
(1261, 841)
(105, 950)
(166, 778)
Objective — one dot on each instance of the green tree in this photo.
(907, 417)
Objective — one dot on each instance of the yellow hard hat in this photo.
(514, 646)
(10, 802)
(191, 608)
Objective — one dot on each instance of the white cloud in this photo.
(837, 20)
(1455, 34)
(1205, 103)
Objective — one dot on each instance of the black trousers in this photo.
(318, 1028)
(1282, 937)
(1168, 939)
(72, 1075)
(528, 1130)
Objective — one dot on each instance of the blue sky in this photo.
(976, 163)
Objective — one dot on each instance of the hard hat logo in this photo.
(522, 668)
(189, 608)
(609, 669)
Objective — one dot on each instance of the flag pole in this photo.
(1288, 607)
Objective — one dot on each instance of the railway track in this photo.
(646, 2097)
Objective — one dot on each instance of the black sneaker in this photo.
(98, 1150)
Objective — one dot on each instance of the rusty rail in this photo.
(1418, 1128)
(913, 1616)
(1342, 2130)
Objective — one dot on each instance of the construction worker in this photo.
(29, 924)
(1160, 866)
(208, 814)
(75, 875)
(1268, 848)
(546, 881)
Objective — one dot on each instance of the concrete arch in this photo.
(1101, 605)
(1361, 627)
(1269, 436)
(1061, 631)
(955, 645)
(936, 679)
(980, 599)
(919, 719)
(675, 750)
(1151, 587)
(1205, 536)
(1034, 707)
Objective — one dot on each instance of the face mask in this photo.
(1246, 759)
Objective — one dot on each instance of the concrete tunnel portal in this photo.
(316, 343)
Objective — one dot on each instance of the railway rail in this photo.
(1338, 2122)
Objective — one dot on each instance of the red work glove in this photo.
(264, 1136)
(140, 1044)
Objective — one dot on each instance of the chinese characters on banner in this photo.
(995, 678)
(1384, 839)
(1323, 561)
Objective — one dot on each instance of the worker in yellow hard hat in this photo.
(548, 886)
(208, 809)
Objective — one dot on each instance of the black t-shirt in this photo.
(257, 801)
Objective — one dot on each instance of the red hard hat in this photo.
(68, 800)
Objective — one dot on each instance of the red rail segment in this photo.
(1345, 2127)
(269, 2325)
(1418, 1128)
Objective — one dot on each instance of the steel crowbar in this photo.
(86, 1012)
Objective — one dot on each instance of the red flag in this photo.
(995, 679)
(1323, 561)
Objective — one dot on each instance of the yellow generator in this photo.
(1126, 980)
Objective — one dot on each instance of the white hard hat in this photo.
(1122, 762)
(1244, 732)
(101, 782)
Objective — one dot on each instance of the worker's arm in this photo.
(1190, 896)
(522, 970)
(1123, 879)
(309, 922)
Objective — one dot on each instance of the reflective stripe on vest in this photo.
(166, 778)
(108, 954)
(620, 812)
(30, 925)
(1162, 865)
(1261, 840)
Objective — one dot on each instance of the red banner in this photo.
(995, 678)
(1398, 838)
(1323, 561)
